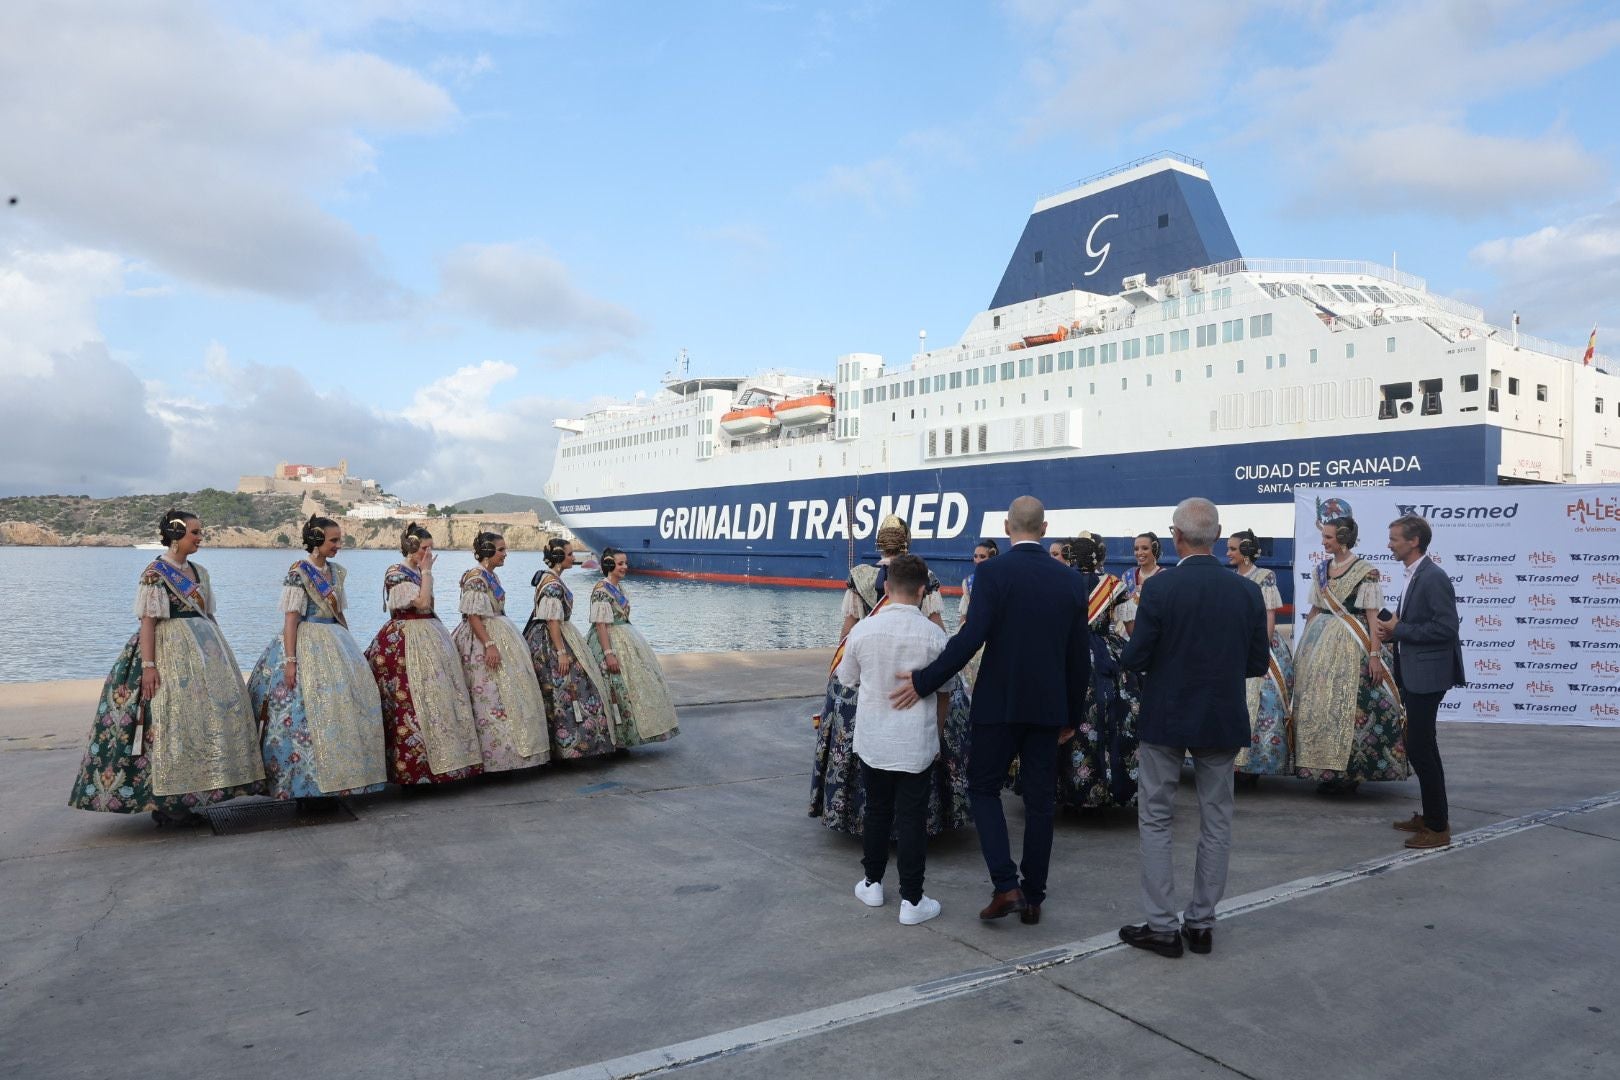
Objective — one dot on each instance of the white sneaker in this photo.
(920, 912)
(870, 893)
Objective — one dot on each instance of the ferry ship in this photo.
(1131, 356)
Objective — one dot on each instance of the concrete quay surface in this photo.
(675, 912)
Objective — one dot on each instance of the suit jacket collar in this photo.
(1198, 558)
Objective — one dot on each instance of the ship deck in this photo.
(677, 908)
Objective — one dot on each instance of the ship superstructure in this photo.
(1132, 357)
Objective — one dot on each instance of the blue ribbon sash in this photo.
(494, 584)
(188, 591)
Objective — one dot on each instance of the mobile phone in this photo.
(1384, 614)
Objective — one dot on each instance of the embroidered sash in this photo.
(1102, 596)
(494, 584)
(865, 578)
(187, 591)
(568, 594)
(1357, 627)
(624, 601)
(320, 588)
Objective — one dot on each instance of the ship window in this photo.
(866, 396)
(1039, 255)
(1240, 367)
(1599, 408)
(1170, 309)
(956, 380)
(1178, 374)
(1023, 399)
(1313, 356)
(1130, 348)
(1065, 360)
(1006, 370)
(1026, 366)
(1164, 221)
(1071, 391)
(1155, 344)
(939, 384)
(1088, 356)
(1044, 364)
(911, 387)
(1150, 379)
(1046, 395)
(1469, 383)
(1260, 325)
(1093, 388)
(1108, 352)
(973, 376)
(1122, 384)
(1195, 304)
(1179, 339)
(1206, 335)
(1209, 371)
(984, 438)
(1541, 393)
(1350, 351)
(883, 393)
(948, 433)
(998, 323)
(1282, 360)
(1513, 386)
(990, 374)
(1377, 294)
(1389, 344)
(1231, 330)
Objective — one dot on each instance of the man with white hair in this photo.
(1200, 632)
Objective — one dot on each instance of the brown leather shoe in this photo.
(1003, 904)
(1031, 915)
(1428, 838)
(1411, 824)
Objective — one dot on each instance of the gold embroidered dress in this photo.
(1271, 735)
(324, 736)
(508, 708)
(576, 699)
(1347, 725)
(195, 742)
(643, 709)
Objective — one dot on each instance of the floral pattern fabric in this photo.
(1098, 766)
(576, 700)
(508, 709)
(1271, 736)
(642, 708)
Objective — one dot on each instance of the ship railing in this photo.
(1317, 266)
(1127, 167)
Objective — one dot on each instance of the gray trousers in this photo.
(1158, 777)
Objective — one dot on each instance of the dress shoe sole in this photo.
(1427, 841)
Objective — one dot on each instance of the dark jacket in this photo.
(1200, 632)
(1428, 648)
(1029, 614)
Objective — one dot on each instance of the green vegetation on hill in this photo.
(137, 515)
(505, 503)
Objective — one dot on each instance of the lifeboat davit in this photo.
(811, 411)
(1060, 334)
(742, 423)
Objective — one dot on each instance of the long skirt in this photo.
(576, 702)
(507, 705)
(642, 708)
(1347, 727)
(1098, 767)
(198, 743)
(428, 730)
(1271, 736)
(325, 735)
(837, 789)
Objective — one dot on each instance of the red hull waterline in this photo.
(760, 579)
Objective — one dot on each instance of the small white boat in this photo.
(806, 411)
(150, 547)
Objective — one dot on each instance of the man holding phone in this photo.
(1424, 630)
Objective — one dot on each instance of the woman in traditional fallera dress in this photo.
(1348, 723)
(174, 730)
(1145, 549)
(643, 710)
(1097, 767)
(506, 701)
(836, 792)
(427, 710)
(312, 690)
(983, 551)
(574, 687)
(1271, 734)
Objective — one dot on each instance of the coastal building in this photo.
(332, 481)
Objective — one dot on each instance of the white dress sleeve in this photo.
(403, 595)
(549, 609)
(852, 608)
(1271, 594)
(477, 601)
(292, 600)
(208, 605)
(601, 611)
(151, 601)
(931, 604)
(1370, 594)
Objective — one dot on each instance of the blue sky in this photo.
(412, 234)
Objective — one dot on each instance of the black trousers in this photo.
(1423, 751)
(896, 802)
(1036, 748)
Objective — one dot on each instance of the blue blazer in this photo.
(1428, 646)
(1029, 614)
(1200, 632)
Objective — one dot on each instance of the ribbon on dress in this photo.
(623, 600)
(494, 584)
(1102, 596)
(322, 590)
(1357, 627)
(187, 591)
(838, 653)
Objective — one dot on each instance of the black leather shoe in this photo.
(1199, 941)
(1031, 915)
(1140, 936)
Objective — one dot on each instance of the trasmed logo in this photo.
(1547, 579)
(1485, 558)
(1543, 558)
(1547, 620)
(1598, 508)
(1540, 688)
(1546, 665)
(1595, 556)
(1496, 687)
(1596, 646)
(1497, 601)
(1595, 601)
(1487, 622)
(1486, 643)
(1543, 707)
(1545, 601)
(1541, 646)
(1490, 579)
(1451, 706)
(1486, 666)
(1459, 512)
(1593, 688)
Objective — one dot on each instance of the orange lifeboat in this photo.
(742, 423)
(1060, 334)
(811, 411)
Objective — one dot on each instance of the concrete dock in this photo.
(676, 912)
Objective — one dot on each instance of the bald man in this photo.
(1029, 615)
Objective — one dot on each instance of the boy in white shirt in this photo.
(897, 748)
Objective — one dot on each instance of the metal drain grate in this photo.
(276, 814)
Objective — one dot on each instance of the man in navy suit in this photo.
(1428, 662)
(1200, 632)
(1029, 614)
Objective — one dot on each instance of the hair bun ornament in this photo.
(173, 526)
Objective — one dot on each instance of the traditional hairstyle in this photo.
(1345, 531)
(908, 573)
(609, 563)
(410, 541)
(1248, 544)
(172, 526)
(314, 534)
(990, 545)
(1416, 528)
(484, 545)
(1153, 542)
(556, 551)
(1089, 552)
(893, 536)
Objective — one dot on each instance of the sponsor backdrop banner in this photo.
(1537, 574)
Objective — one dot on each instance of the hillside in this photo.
(506, 503)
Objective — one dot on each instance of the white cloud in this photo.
(520, 288)
(155, 130)
(462, 70)
(875, 184)
(48, 304)
(1562, 278)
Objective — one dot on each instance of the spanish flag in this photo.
(1591, 346)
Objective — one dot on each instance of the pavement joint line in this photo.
(1151, 1030)
(828, 1018)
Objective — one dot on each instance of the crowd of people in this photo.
(177, 729)
(1341, 712)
